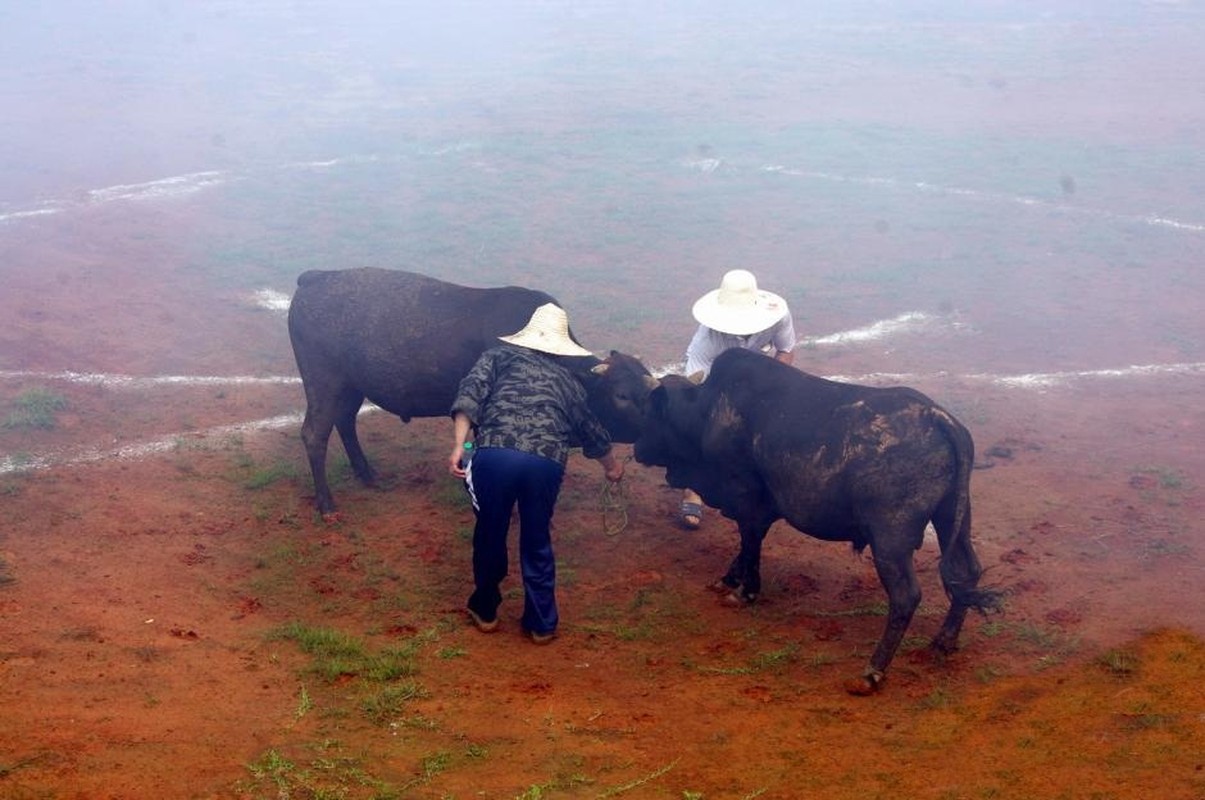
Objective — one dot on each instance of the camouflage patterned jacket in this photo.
(524, 400)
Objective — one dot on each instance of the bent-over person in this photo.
(525, 408)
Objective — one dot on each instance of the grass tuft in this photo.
(36, 408)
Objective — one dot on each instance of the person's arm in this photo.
(474, 388)
(460, 432)
(596, 442)
(612, 466)
(701, 351)
(784, 339)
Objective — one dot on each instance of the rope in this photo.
(614, 505)
(613, 502)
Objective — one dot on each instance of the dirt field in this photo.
(1008, 218)
(158, 596)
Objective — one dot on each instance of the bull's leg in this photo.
(898, 576)
(348, 409)
(734, 577)
(315, 433)
(742, 582)
(752, 537)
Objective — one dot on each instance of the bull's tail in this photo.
(960, 568)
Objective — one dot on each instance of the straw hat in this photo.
(548, 332)
(738, 306)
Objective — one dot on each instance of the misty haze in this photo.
(999, 204)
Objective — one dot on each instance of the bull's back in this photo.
(402, 339)
(830, 453)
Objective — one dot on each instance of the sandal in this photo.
(690, 514)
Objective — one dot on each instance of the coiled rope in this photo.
(613, 502)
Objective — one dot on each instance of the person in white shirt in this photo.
(738, 314)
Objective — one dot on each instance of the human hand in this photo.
(454, 468)
(613, 471)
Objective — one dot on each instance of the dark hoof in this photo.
(737, 599)
(865, 685)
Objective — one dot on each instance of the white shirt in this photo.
(708, 343)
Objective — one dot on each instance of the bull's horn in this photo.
(651, 383)
(601, 369)
(697, 377)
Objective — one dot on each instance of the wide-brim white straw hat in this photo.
(548, 332)
(738, 307)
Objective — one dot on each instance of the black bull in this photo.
(761, 441)
(404, 341)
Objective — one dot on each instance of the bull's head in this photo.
(618, 394)
(673, 430)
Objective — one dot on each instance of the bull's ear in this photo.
(651, 383)
(697, 377)
(601, 369)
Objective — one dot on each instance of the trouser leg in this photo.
(494, 490)
(537, 498)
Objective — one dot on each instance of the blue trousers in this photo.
(497, 479)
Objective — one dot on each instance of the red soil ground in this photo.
(144, 605)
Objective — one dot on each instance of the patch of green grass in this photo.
(776, 659)
(388, 703)
(326, 775)
(452, 494)
(35, 408)
(1142, 717)
(940, 697)
(1168, 477)
(304, 703)
(765, 661)
(339, 655)
(615, 791)
(254, 475)
(870, 610)
(1119, 663)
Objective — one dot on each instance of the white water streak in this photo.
(906, 322)
(272, 300)
(36, 212)
(933, 188)
(333, 162)
(24, 463)
(164, 187)
(165, 444)
(881, 329)
(10, 464)
(131, 382)
(1031, 380)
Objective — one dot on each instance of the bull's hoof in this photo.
(865, 685)
(939, 650)
(737, 599)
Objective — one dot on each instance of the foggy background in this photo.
(993, 162)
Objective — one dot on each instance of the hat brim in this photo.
(555, 346)
(768, 309)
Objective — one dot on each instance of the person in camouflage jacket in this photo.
(525, 408)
